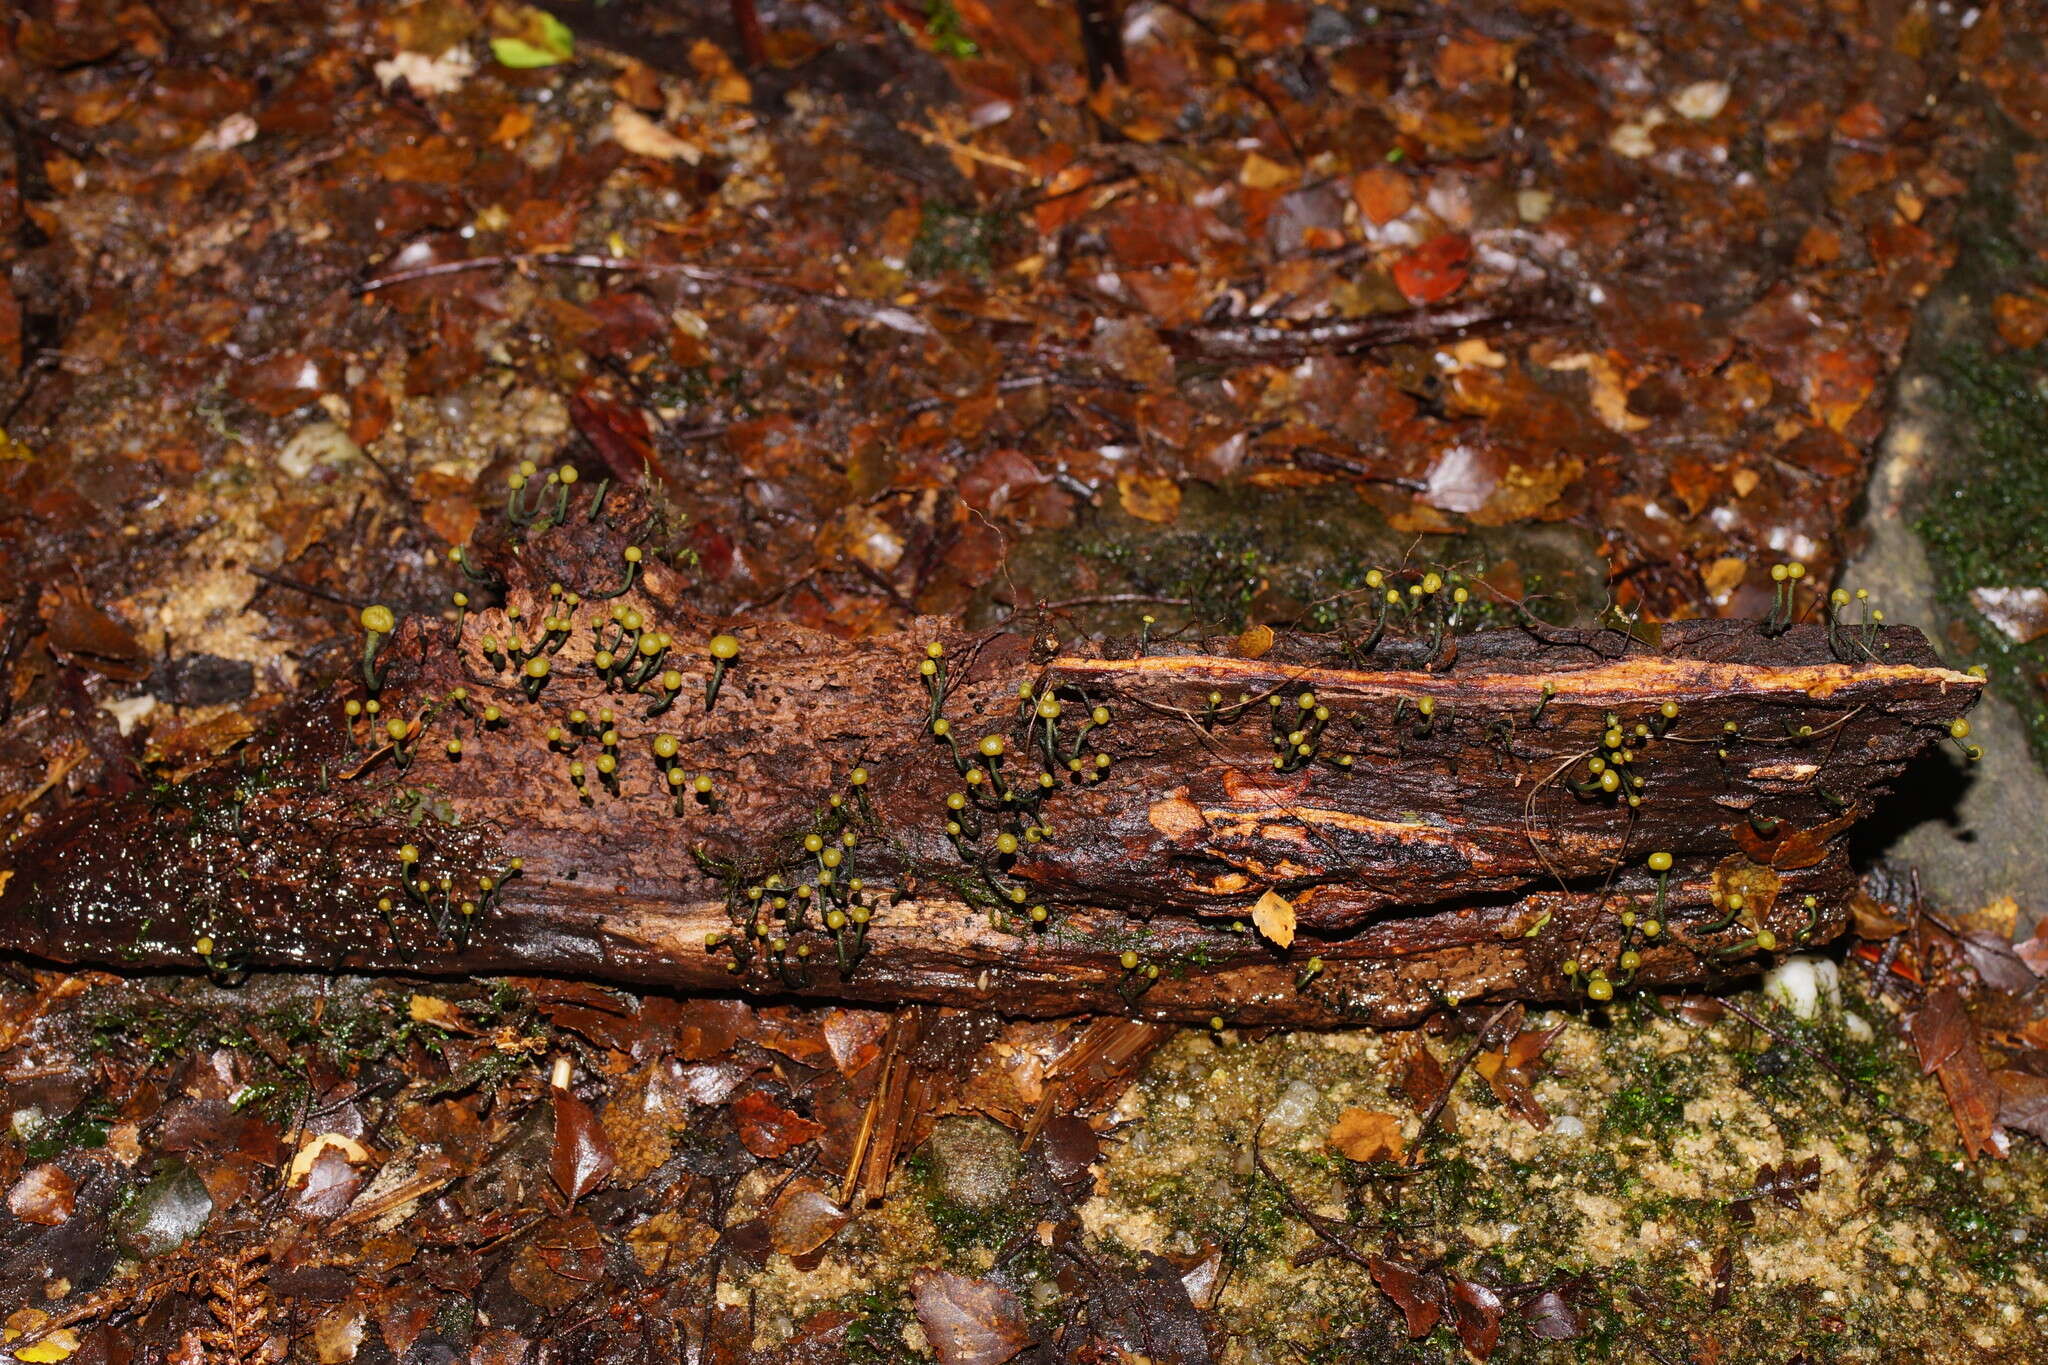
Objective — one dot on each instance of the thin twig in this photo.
(280, 581)
(1814, 1054)
(1451, 1081)
(1302, 1211)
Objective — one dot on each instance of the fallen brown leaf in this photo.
(582, 1159)
(1367, 1135)
(969, 1322)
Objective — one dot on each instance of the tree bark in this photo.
(1433, 847)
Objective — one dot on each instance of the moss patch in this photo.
(1298, 557)
(1640, 1194)
(1985, 519)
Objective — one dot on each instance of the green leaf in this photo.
(546, 41)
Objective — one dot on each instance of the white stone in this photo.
(442, 75)
(316, 444)
(1701, 100)
(1294, 1107)
(1803, 984)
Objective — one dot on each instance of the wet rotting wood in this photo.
(1429, 822)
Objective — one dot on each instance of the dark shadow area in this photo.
(1930, 791)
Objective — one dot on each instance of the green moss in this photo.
(955, 240)
(1993, 1234)
(84, 1127)
(1985, 520)
(1298, 556)
(154, 1033)
(875, 1336)
(960, 1227)
(948, 34)
(1651, 1101)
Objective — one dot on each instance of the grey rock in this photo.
(1973, 833)
(167, 1213)
(975, 1161)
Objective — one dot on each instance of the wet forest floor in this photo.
(1063, 316)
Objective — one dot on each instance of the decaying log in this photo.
(1446, 838)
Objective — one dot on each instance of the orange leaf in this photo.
(1274, 916)
(1367, 1135)
(1382, 193)
(1149, 497)
(1789, 848)
(1255, 641)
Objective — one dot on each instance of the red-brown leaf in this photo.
(44, 1195)
(767, 1129)
(1790, 848)
(1418, 1296)
(1475, 1313)
(1434, 270)
(855, 1037)
(2023, 1102)
(1551, 1316)
(1938, 1029)
(1422, 1078)
(583, 1155)
(969, 1322)
(85, 635)
(1947, 1043)
(331, 1185)
(618, 432)
(804, 1217)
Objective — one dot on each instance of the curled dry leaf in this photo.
(1274, 917)
(1872, 919)
(969, 1322)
